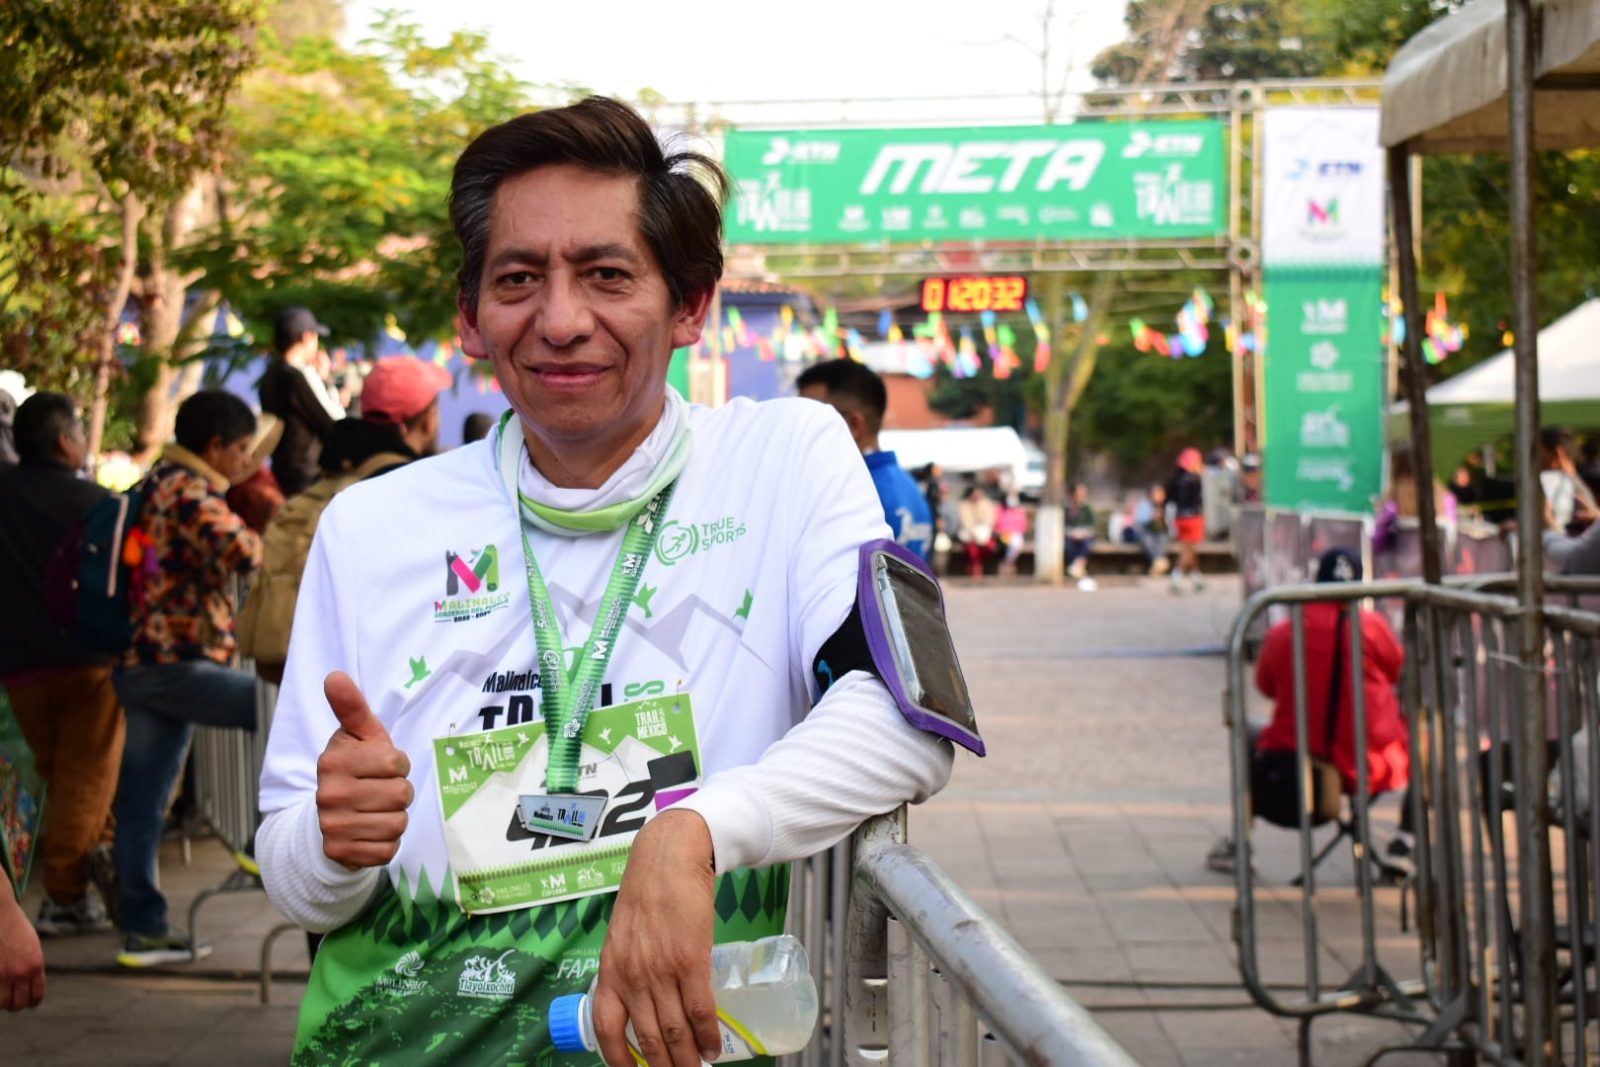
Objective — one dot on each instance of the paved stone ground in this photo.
(1083, 833)
(1085, 830)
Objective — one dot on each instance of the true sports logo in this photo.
(680, 540)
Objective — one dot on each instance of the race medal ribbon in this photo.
(566, 698)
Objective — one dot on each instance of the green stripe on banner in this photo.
(1323, 386)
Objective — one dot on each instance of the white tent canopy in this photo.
(1475, 407)
(1569, 365)
(1445, 91)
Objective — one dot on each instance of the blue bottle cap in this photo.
(566, 1026)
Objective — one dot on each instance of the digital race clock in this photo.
(973, 294)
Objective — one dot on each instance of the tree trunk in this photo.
(1049, 530)
(132, 211)
(167, 333)
(1064, 383)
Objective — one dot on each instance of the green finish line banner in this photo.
(1086, 180)
(1323, 388)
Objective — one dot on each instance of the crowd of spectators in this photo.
(109, 733)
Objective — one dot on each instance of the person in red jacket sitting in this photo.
(1327, 682)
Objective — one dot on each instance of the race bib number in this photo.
(637, 759)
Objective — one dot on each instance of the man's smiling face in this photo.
(575, 313)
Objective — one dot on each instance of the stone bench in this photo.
(1109, 558)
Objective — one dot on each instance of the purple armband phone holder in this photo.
(902, 614)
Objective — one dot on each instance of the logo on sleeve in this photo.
(471, 586)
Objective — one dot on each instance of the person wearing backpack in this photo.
(399, 422)
(1330, 716)
(60, 691)
(176, 673)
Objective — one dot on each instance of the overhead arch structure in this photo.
(1115, 187)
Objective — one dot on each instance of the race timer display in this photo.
(972, 295)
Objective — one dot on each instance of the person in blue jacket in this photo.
(858, 394)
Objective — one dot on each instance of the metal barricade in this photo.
(1481, 549)
(227, 776)
(1369, 988)
(1574, 637)
(1462, 694)
(911, 971)
(1251, 550)
(1461, 709)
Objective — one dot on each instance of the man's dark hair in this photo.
(210, 414)
(40, 422)
(476, 427)
(854, 383)
(680, 216)
(1554, 437)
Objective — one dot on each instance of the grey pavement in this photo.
(1085, 830)
(1083, 833)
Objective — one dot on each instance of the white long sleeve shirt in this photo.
(755, 567)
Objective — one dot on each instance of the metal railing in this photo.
(916, 973)
(227, 776)
(1483, 972)
(1369, 988)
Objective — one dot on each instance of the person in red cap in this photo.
(401, 395)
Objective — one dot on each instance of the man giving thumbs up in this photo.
(362, 791)
(610, 550)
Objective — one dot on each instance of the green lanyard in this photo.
(566, 698)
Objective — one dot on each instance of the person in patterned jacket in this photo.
(177, 672)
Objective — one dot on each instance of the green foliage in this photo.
(1142, 406)
(1361, 36)
(1465, 230)
(1245, 39)
(1251, 39)
(1466, 247)
(53, 282)
(340, 178)
(1004, 398)
(133, 88)
(290, 19)
(103, 103)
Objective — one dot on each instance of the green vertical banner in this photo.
(1323, 388)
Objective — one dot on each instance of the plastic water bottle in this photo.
(766, 1002)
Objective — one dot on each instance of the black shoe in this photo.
(81, 916)
(1397, 862)
(1223, 857)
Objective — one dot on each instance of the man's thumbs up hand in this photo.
(362, 791)
(355, 718)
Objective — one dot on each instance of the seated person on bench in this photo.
(1330, 718)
